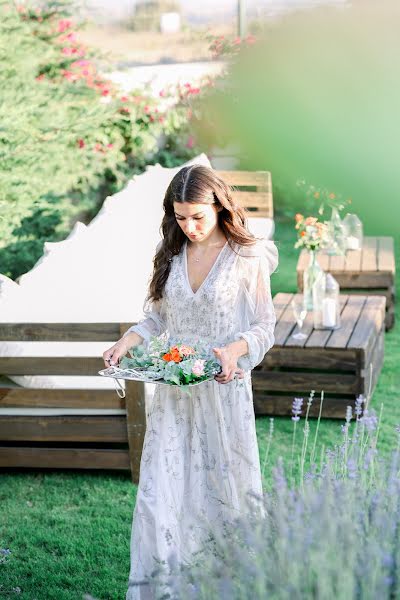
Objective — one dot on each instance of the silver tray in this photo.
(143, 375)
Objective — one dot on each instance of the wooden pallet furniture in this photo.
(112, 441)
(370, 270)
(252, 190)
(342, 363)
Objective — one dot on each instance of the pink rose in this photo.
(198, 367)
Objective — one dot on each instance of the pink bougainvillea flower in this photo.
(162, 93)
(110, 146)
(81, 143)
(67, 51)
(190, 142)
(124, 99)
(63, 25)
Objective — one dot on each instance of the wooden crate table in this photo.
(370, 271)
(343, 363)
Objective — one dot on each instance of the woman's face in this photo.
(197, 221)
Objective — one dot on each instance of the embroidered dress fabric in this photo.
(200, 464)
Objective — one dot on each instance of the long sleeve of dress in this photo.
(153, 324)
(260, 335)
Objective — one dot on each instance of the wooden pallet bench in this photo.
(108, 441)
(343, 363)
(368, 271)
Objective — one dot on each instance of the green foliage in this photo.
(68, 137)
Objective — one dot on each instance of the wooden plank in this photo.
(332, 408)
(386, 260)
(352, 261)
(246, 178)
(390, 319)
(349, 317)
(319, 337)
(285, 324)
(136, 424)
(375, 350)
(259, 213)
(369, 254)
(324, 260)
(64, 458)
(64, 429)
(59, 398)
(57, 332)
(369, 323)
(259, 200)
(308, 326)
(59, 365)
(328, 359)
(302, 382)
(337, 263)
(280, 301)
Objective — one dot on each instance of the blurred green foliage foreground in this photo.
(315, 100)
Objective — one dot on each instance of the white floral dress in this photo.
(200, 455)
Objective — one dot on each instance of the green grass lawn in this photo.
(69, 532)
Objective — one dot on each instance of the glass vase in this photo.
(335, 242)
(310, 275)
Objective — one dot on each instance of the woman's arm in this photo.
(260, 336)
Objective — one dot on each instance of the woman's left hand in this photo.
(228, 359)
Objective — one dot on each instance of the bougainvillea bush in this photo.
(69, 136)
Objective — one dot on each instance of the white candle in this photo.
(328, 312)
(353, 243)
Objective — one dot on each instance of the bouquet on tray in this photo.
(160, 362)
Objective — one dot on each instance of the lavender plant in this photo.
(332, 533)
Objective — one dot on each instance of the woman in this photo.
(200, 462)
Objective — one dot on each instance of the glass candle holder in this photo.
(326, 303)
(353, 232)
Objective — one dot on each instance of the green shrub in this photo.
(69, 138)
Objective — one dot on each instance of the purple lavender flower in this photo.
(296, 408)
(358, 408)
(369, 420)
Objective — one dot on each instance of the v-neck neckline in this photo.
(209, 272)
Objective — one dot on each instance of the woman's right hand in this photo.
(113, 355)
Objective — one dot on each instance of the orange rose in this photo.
(176, 357)
(167, 357)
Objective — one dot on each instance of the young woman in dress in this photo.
(200, 461)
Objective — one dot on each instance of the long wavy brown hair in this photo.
(198, 185)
